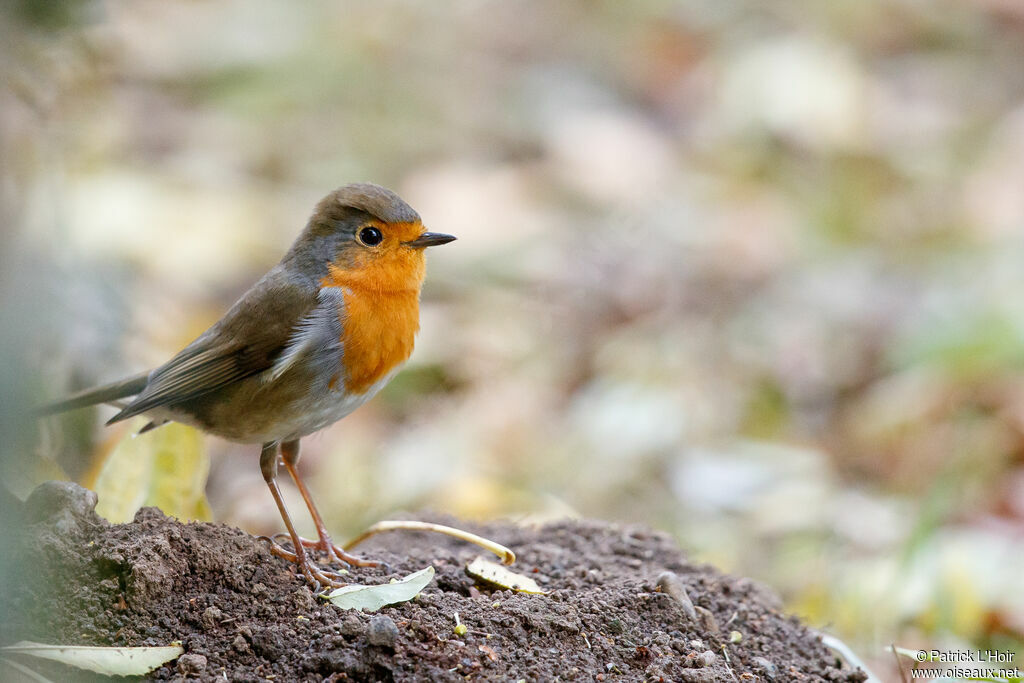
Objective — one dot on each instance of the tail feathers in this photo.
(104, 394)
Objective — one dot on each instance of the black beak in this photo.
(430, 239)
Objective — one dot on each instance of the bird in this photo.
(315, 338)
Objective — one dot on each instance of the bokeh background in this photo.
(751, 273)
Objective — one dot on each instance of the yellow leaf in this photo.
(166, 467)
(493, 573)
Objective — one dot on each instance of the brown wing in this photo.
(245, 342)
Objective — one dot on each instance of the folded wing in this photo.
(250, 338)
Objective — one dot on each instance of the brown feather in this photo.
(245, 342)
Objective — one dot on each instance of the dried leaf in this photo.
(109, 661)
(372, 598)
(165, 467)
(494, 573)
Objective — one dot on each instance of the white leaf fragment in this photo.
(494, 573)
(372, 598)
(109, 661)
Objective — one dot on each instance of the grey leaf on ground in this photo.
(372, 598)
(109, 661)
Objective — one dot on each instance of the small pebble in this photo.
(671, 585)
(706, 619)
(382, 631)
(351, 626)
(190, 664)
(240, 644)
(212, 616)
(766, 666)
(705, 659)
(303, 599)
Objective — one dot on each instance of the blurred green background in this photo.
(752, 273)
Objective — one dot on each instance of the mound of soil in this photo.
(622, 604)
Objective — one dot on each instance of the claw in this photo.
(335, 553)
(317, 577)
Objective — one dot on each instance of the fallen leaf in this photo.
(372, 598)
(165, 467)
(494, 573)
(109, 661)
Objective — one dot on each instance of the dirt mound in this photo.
(242, 614)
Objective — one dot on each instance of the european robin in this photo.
(313, 340)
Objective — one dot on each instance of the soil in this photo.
(622, 603)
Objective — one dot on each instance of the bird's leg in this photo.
(316, 576)
(290, 456)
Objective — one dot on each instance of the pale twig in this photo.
(506, 554)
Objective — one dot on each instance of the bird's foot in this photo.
(319, 579)
(335, 553)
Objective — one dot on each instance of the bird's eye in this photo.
(371, 237)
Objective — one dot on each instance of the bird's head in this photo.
(364, 236)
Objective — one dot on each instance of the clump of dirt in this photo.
(622, 604)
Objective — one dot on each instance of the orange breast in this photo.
(382, 295)
(379, 332)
